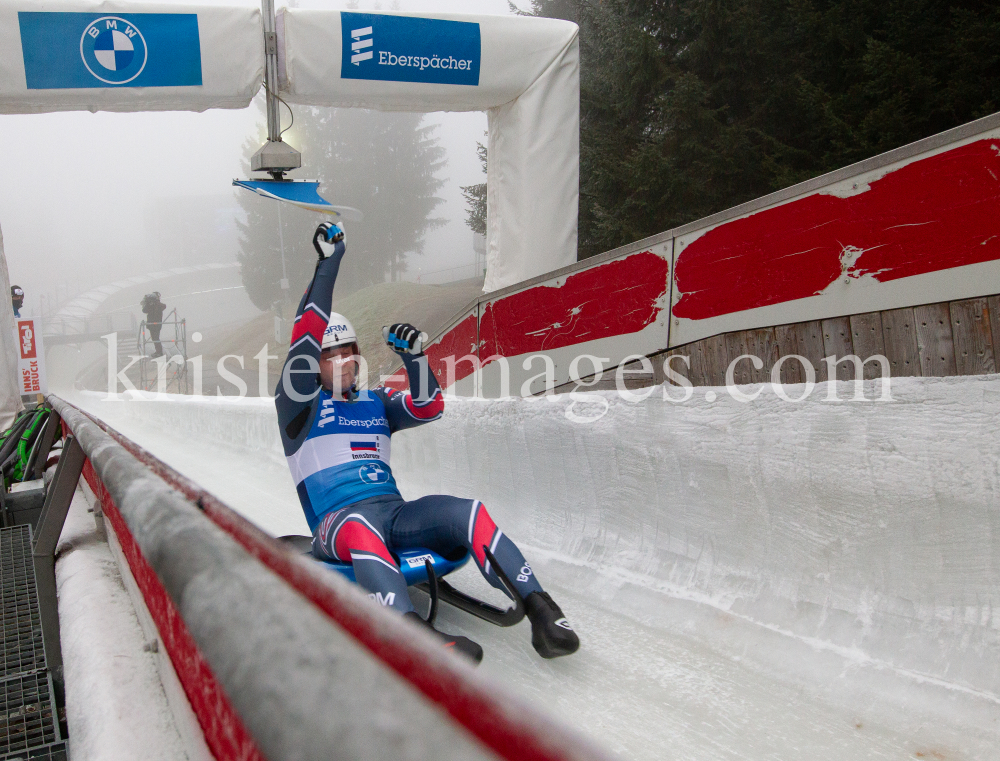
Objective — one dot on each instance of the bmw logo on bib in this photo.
(373, 473)
(113, 50)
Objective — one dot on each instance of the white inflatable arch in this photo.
(524, 72)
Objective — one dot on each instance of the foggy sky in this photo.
(88, 198)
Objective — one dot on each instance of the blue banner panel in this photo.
(408, 49)
(78, 50)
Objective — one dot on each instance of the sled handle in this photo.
(432, 590)
(478, 608)
(515, 614)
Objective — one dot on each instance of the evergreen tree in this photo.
(689, 107)
(475, 197)
(384, 164)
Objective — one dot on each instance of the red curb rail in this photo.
(221, 725)
(512, 730)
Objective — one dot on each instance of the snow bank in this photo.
(115, 702)
(869, 528)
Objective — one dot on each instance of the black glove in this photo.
(403, 338)
(328, 238)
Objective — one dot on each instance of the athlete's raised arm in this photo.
(299, 384)
(424, 401)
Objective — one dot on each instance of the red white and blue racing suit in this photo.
(338, 452)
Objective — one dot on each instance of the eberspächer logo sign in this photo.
(408, 49)
(113, 50)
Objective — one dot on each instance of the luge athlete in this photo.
(337, 442)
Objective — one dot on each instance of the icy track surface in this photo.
(813, 581)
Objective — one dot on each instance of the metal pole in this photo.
(281, 241)
(144, 362)
(58, 497)
(184, 352)
(35, 467)
(271, 70)
(274, 157)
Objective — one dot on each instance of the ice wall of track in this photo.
(869, 527)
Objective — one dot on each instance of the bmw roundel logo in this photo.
(373, 473)
(113, 50)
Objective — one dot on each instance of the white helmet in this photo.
(339, 332)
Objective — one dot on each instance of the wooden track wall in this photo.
(932, 340)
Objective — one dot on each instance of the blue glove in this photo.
(403, 338)
(329, 240)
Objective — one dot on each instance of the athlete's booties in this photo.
(551, 633)
(455, 642)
